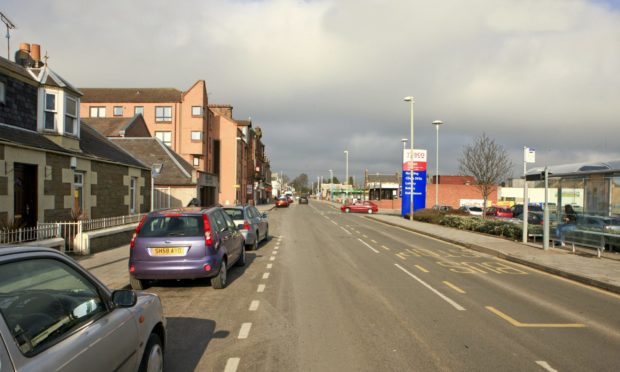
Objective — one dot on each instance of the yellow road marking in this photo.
(459, 290)
(384, 247)
(374, 241)
(516, 323)
(401, 256)
(364, 236)
(422, 269)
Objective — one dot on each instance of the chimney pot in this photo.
(24, 47)
(36, 52)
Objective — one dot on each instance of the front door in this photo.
(25, 194)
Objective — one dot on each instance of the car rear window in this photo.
(235, 214)
(475, 209)
(158, 226)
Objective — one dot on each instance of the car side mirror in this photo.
(124, 298)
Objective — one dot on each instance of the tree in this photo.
(335, 180)
(301, 183)
(488, 163)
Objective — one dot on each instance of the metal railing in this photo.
(66, 230)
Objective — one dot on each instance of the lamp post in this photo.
(346, 174)
(155, 171)
(410, 160)
(437, 123)
(331, 185)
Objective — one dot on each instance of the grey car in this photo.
(253, 225)
(57, 316)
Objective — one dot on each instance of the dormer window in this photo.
(70, 115)
(50, 111)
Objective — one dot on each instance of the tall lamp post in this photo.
(331, 185)
(410, 160)
(346, 174)
(437, 123)
(156, 169)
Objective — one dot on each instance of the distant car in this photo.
(56, 316)
(281, 202)
(185, 243)
(290, 198)
(360, 207)
(443, 208)
(473, 211)
(254, 226)
(517, 209)
(500, 212)
(303, 199)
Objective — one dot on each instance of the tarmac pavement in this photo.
(111, 266)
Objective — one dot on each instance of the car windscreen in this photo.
(159, 226)
(235, 214)
(475, 209)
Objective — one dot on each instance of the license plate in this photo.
(168, 251)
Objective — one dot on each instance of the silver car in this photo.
(56, 316)
(253, 225)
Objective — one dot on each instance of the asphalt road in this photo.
(340, 292)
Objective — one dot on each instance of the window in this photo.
(50, 111)
(78, 194)
(196, 161)
(138, 110)
(165, 137)
(97, 112)
(70, 115)
(196, 136)
(163, 113)
(44, 300)
(132, 194)
(2, 93)
(196, 111)
(118, 111)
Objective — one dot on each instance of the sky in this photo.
(324, 76)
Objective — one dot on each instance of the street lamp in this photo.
(437, 123)
(331, 185)
(346, 174)
(156, 169)
(411, 101)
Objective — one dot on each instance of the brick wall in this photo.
(57, 188)
(448, 195)
(20, 108)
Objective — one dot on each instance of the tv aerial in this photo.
(9, 26)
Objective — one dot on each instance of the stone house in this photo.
(52, 166)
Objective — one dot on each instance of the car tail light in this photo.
(246, 225)
(206, 267)
(132, 269)
(132, 243)
(207, 227)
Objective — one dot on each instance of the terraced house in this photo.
(52, 166)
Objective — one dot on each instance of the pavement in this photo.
(111, 266)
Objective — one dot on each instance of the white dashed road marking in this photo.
(269, 266)
(254, 305)
(232, 364)
(266, 276)
(272, 258)
(345, 230)
(363, 242)
(442, 296)
(546, 366)
(244, 332)
(261, 288)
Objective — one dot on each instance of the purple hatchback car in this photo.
(185, 243)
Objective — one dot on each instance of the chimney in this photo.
(35, 54)
(22, 56)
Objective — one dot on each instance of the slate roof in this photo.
(119, 127)
(17, 69)
(43, 75)
(387, 178)
(93, 145)
(130, 95)
(176, 170)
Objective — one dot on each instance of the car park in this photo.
(282, 202)
(254, 226)
(56, 316)
(303, 199)
(360, 207)
(185, 243)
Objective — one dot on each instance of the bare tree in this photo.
(488, 163)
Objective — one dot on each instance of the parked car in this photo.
(57, 316)
(303, 199)
(473, 211)
(281, 202)
(185, 243)
(501, 212)
(254, 226)
(360, 207)
(517, 209)
(290, 198)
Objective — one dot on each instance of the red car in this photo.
(282, 202)
(503, 212)
(362, 207)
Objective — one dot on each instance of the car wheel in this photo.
(347, 210)
(266, 237)
(138, 284)
(219, 281)
(370, 211)
(241, 260)
(153, 357)
(254, 245)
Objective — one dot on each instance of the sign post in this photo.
(414, 169)
(529, 156)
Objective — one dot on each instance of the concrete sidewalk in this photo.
(111, 266)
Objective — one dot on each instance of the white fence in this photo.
(66, 230)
